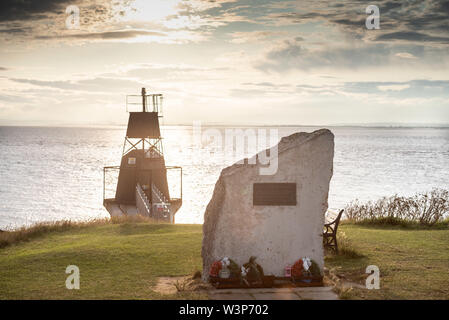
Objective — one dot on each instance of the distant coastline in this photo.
(230, 125)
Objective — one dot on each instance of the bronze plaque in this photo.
(274, 194)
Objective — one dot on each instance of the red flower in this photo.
(215, 269)
(297, 269)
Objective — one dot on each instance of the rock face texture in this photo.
(277, 235)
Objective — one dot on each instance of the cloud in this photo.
(108, 35)
(253, 36)
(292, 54)
(22, 21)
(412, 36)
(100, 20)
(265, 84)
(14, 99)
(14, 30)
(405, 55)
(13, 10)
(203, 5)
(418, 88)
(361, 94)
(401, 22)
(414, 20)
(173, 73)
(98, 84)
(394, 87)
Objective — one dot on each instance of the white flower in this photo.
(244, 271)
(225, 262)
(306, 262)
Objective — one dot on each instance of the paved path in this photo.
(310, 293)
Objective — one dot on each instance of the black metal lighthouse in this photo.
(142, 186)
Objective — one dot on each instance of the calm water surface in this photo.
(49, 174)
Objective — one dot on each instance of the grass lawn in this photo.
(116, 261)
(123, 261)
(413, 263)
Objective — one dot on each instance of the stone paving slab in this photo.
(231, 296)
(276, 296)
(308, 293)
(318, 296)
(251, 290)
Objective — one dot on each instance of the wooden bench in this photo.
(330, 233)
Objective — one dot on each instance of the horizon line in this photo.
(210, 124)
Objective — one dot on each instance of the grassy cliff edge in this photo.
(123, 260)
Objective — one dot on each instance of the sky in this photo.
(242, 62)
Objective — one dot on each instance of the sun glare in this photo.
(152, 11)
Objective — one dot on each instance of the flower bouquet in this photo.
(252, 273)
(305, 271)
(226, 273)
(224, 270)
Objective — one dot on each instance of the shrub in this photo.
(423, 208)
(346, 248)
(37, 230)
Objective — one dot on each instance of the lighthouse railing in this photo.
(142, 202)
(158, 195)
(153, 103)
(174, 176)
(110, 179)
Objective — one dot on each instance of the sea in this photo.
(56, 173)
